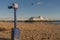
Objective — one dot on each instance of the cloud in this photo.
(39, 3)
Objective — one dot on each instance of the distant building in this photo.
(37, 18)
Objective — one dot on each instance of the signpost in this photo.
(15, 31)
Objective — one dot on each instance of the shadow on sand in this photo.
(5, 39)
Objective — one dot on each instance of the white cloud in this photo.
(39, 3)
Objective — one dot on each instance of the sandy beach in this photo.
(31, 31)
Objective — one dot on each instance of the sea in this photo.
(53, 22)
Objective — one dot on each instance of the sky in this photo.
(31, 8)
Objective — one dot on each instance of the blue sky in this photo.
(45, 8)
